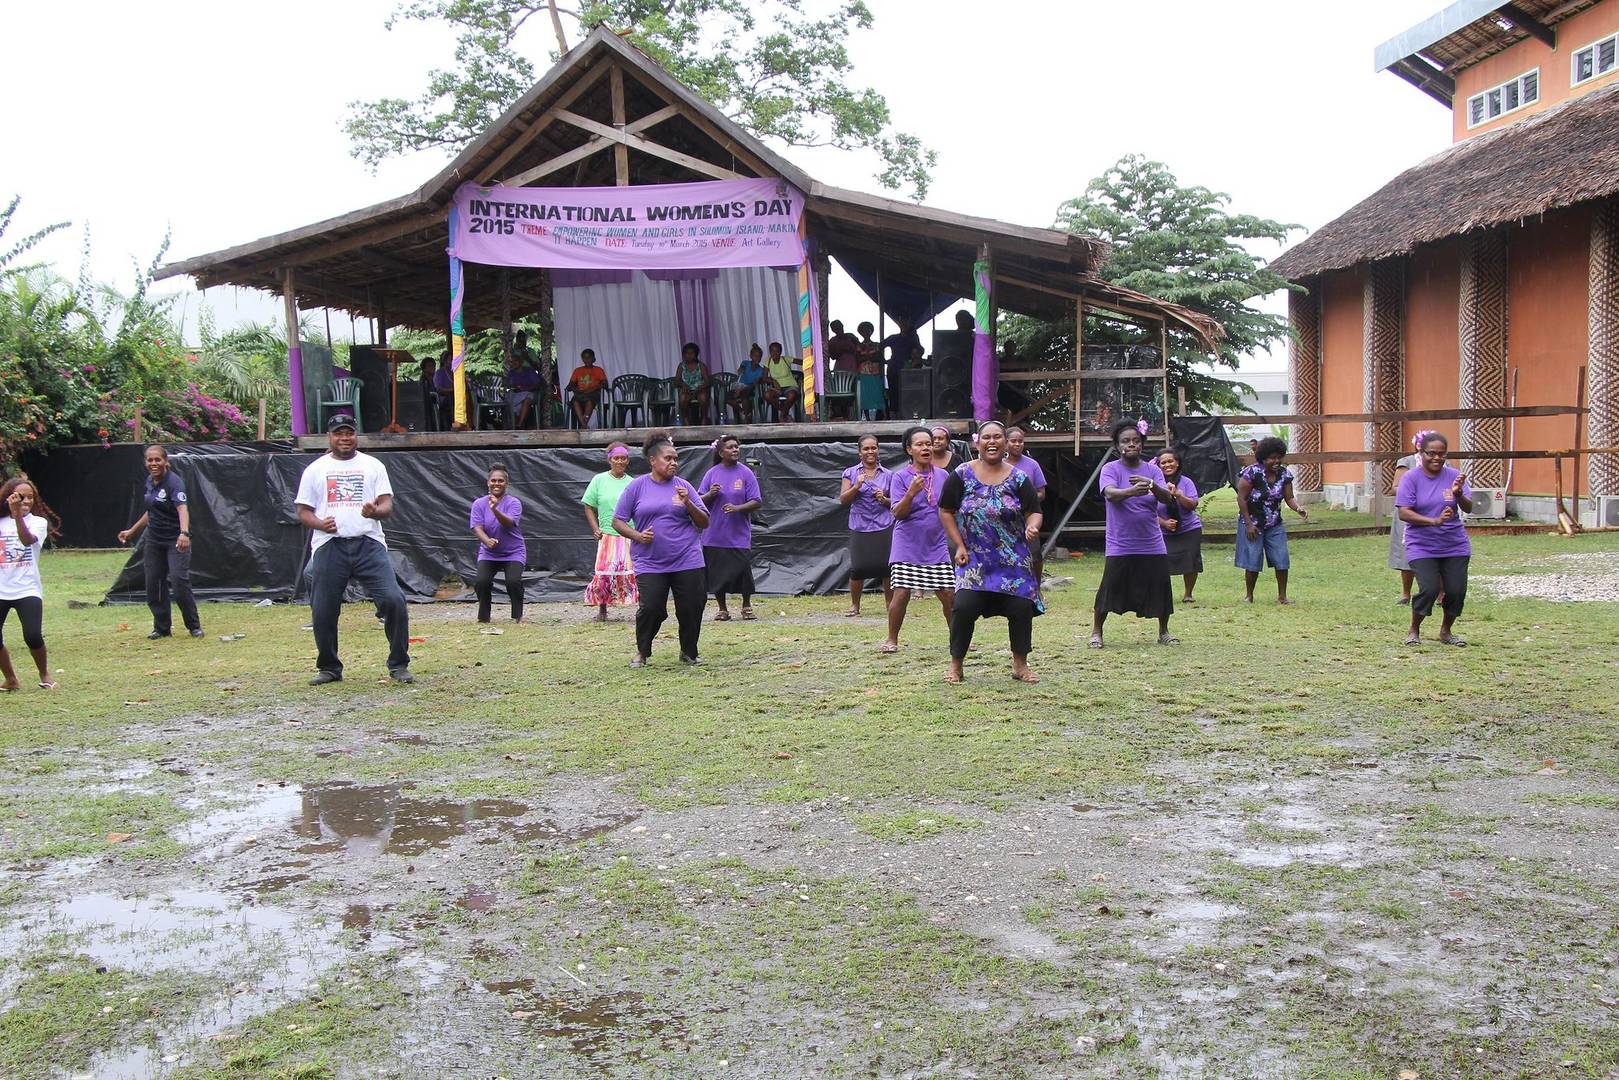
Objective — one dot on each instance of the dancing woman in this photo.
(871, 523)
(664, 516)
(943, 456)
(167, 523)
(730, 495)
(613, 581)
(1397, 556)
(1262, 488)
(991, 515)
(497, 521)
(1135, 573)
(22, 536)
(1431, 500)
(1183, 529)
(918, 559)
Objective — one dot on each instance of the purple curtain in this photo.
(986, 375)
(694, 314)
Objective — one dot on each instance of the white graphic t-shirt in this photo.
(338, 489)
(19, 565)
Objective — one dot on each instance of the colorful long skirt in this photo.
(614, 579)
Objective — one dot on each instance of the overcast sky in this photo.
(221, 122)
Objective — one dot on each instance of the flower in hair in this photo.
(1141, 426)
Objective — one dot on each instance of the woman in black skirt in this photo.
(871, 524)
(730, 494)
(1183, 529)
(1135, 576)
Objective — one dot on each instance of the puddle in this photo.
(367, 820)
(477, 899)
(552, 830)
(1335, 852)
(597, 1028)
(1195, 919)
(400, 739)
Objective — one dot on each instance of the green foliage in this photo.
(1177, 244)
(792, 81)
(79, 359)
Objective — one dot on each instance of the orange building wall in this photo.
(1342, 382)
(1556, 68)
(1548, 339)
(1432, 351)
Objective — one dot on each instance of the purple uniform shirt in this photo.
(676, 543)
(1031, 468)
(866, 514)
(509, 545)
(1189, 518)
(737, 486)
(1132, 523)
(1428, 496)
(918, 538)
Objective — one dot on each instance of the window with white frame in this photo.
(1510, 96)
(1596, 59)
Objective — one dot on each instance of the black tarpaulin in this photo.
(248, 544)
(1206, 454)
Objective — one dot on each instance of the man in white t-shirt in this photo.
(342, 499)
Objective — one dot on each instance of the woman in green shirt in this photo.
(614, 579)
(780, 383)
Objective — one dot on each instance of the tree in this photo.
(792, 82)
(1177, 244)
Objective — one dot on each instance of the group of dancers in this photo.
(966, 531)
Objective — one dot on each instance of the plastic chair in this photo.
(719, 386)
(840, 390)
(663, 400)
(489, 396)
(342, 395)
(628, 398)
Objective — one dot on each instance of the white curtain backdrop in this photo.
(632, 327)
(635, 329)
(753, 303)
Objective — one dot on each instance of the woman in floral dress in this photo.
(991, 515)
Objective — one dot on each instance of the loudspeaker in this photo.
(375, 390)
(952, 388)
(952, 343)
(413, 406)
(913, 393)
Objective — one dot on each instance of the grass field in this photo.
(1288, 847)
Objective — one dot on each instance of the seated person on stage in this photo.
(748, 374)
(522, 388)
(586, 382)
(691, 386)
(444, 387)
(780, 383)
(916, 359)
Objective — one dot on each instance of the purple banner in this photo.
(711, 224)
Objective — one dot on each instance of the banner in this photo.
(704, 225)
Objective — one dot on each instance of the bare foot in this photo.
(1283, 600)
(4, 687)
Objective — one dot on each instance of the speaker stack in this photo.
(913, 393)
(367, 364)
(952, 374)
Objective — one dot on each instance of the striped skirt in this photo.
(920, 577)
(614, 579)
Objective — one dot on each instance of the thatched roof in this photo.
(388, 259)
(1567, 155)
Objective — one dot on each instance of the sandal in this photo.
(48, 684)
(1413, 639)
(888, 647)
(1452, 639)
(748, 615)
(1026, 677)
(1096, 641)
(952, 677)
(1168, 639)
(852, 613)
(724, 616)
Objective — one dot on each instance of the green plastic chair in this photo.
(719, 386)
(840, 390)
(663, 399)
(628, 398)
(342, 395)
(488, 396)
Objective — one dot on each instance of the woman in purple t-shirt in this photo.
(1183, 529)
(730, 495)
(497, 522)
(918, 558)
(1431, 500)
(871, 524)
(1135, 572)
(663, 517)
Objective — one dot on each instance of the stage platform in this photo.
(688, 435)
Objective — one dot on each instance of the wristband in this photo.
(186, 535)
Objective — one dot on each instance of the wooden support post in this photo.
(1079, 356)
(295, 358)
(621, 152)
(1180, 400)
(263, 419)
(139, 432)
(505, 295)
(1579, 440)
(1163, 361)
(382, 323)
